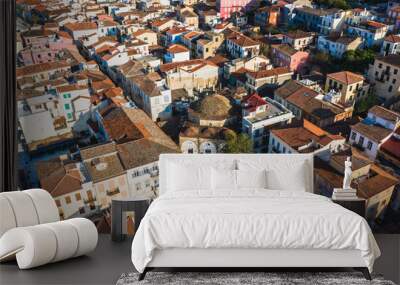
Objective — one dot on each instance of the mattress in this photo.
(250, 219)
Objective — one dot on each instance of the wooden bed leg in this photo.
(143, 274)
(365, 272)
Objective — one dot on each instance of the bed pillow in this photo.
(292, 178)
(223, 179)
(251, 178)
(182, 178)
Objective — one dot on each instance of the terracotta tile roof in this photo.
(177, 49)
(393, 38)
(58, 179)
(158, 23)
(373, 132)
(375, 185)
(108, 23)
(298, 34)
(114, 92)
(299, 137)
(81, 26)
(253, 101)
(358, 159)
(374, 24)
(285, 48)
(242, 40)
(119, 127)
(270, 72)
(191, 35)
(391, 59)
(323, 170)
(302, 97)
(63, 34)
(288, 88)
(90, 152)
(142, 32)
(384, 113)
(195, 63)
(102, 85)
(104, 167)
(322, 109)
(37, 33)
(218, 60)
(176, 30)
(72, 87)
(41, 67)
(145, 150)
(392, 146)
(346, 77)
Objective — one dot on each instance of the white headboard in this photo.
(212, 159)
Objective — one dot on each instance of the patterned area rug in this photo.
(243, 278)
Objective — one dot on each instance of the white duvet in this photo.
(250, 219)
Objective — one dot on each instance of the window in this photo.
(67, 106)
(380, 65)
(68, 200)
(283, 149)
(78, 196)
(394, 81)
(361, 140)
(81, 210)
(190, 150)
(58, 203)
(353, 136)
(390, 88)
(369, 145)
(67, 95)
(395, 71)
(69, 116)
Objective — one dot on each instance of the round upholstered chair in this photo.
(31, 231)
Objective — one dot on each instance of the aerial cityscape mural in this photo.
(106, 86)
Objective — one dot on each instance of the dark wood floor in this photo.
(103, 266)
(110, 260)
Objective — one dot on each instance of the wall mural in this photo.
(99, 99)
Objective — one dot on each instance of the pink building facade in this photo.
(227, 7)
(44, 49)
(295, 62)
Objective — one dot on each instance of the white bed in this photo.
(248, 226)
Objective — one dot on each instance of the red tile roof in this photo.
(346, 77)
(392, 146)
(177, 49)
(253, 101)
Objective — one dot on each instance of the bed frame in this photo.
(241, 259)
(250, 259)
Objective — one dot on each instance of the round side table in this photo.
(120, 206)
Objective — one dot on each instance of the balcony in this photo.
(89, 200)
(275, 150)
(113, 192)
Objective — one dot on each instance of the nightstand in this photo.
(357, 205)
(126, 215)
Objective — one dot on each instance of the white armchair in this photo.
(31, 230)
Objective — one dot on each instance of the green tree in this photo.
(238, 143)
(362, 106)
(357, 60)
